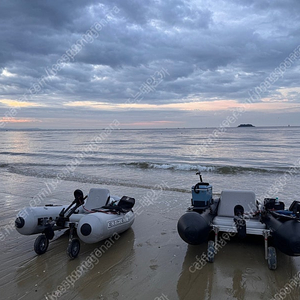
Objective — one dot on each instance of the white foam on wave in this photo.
(182, 167)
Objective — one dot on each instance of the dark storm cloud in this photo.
(211, 49)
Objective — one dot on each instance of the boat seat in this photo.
(240, 202)
(231, 198)
(97, 198)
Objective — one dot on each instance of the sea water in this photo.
(262, 159)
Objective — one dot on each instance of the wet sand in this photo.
(149, 261)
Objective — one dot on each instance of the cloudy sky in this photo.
(155, 63)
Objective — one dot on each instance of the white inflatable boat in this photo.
(92, 218)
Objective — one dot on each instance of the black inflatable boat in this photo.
(238, 213)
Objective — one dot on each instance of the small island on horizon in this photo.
(246, 125)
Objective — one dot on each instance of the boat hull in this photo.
(285, 235)
(98, 226)
(91, 227)
(30, 219)
(194, 228)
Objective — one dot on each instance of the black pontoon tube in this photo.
(194, 228)
(285, 235)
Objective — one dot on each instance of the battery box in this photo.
(201, 195)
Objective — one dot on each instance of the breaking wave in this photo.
(166, 166)
(204, 168)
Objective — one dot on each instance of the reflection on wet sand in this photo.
(52, 268)
(239, 272)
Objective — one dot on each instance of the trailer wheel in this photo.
(272, 260)
(211, 251)
(41, 244)
(73, 248)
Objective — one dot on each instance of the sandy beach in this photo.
(149, 261)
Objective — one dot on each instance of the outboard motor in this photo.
(295, 209)
(201, 195)
(125, 205)
(273, 204)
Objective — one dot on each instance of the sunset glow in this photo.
(21, 104)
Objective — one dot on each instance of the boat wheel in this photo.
(272, 260)
(73, 248)
(41, 244)
(211, 251)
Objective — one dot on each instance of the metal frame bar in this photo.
(252, 231)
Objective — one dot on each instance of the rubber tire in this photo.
(41, 244)
(211, 251)
(272, 259)
(73, 248)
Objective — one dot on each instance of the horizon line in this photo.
(150, 128)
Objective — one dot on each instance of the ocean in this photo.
(265, 160)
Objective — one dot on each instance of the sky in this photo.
(149, 64)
